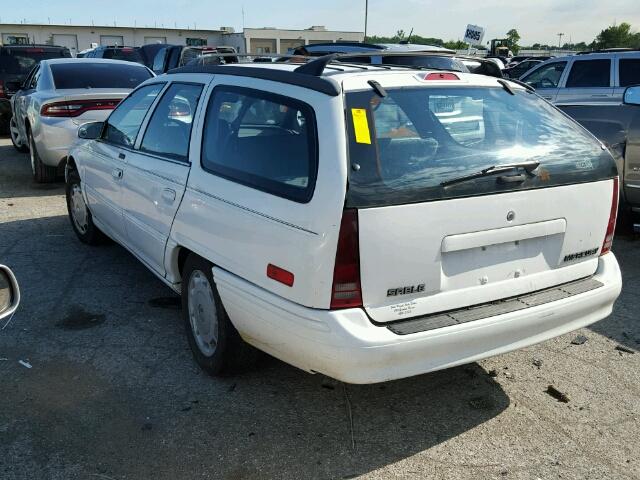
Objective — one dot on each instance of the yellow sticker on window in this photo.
(361, 125)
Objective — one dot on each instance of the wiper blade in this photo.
(529, 167)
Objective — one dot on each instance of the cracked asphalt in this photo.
(114, 394)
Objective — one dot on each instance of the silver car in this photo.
(60, 95)
(586, 79)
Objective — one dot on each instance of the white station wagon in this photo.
(364, 222)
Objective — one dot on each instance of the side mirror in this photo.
(9, 292)
(632, 95)
(90, 131)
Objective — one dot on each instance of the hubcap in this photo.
(15, 135)
(202, 313)
(78, 208)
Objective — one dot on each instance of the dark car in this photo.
(520, 68)
(116, 52)
(411, 55)
(150, 51)
(175, 56)
(617, 125)
(16, 61)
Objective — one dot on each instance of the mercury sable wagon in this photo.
(364, 222)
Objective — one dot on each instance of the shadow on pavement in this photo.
(16, 179)
(114, 392)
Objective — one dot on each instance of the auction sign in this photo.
(474, 35)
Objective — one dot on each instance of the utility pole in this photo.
(366, 13)
(560, 35)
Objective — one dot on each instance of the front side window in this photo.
(262, 140)
(629, 72)
(407, 146)
(169, 129)
(590, 73)
(124, 122)
(547, 76)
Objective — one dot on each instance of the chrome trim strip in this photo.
(297, 227)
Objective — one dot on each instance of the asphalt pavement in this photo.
(113, 393)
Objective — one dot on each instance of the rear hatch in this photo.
(433, 240)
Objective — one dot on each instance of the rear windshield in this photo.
(98, 75)
(404, 146)
(128, 54)
(20, 61)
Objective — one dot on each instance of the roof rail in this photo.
(312, 82)
(610, 50)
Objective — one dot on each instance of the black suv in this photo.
(116, 52)
(16, 61)
(175, 56)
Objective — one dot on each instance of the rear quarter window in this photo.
(261, 140)
(629, 72)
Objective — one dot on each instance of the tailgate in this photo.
(424, 258)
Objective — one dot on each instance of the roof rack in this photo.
(610, 50)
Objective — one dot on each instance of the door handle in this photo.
(169, 195)
(121, 156)
(116, 173)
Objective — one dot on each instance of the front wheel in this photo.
(214, 341)
(79, 214)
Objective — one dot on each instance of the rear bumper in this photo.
(54, 139)
(345, 344)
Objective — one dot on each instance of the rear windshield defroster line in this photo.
(405, 146)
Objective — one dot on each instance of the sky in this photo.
(536, 21)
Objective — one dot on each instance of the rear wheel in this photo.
(214, 341)
(79, 214)
(18, 143)
(41, 173)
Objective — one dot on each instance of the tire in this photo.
(205, 319)
(79, 214)
(41, 173)
(13, 132)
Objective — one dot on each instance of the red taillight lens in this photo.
(75, 108)
(3, 93)
(611, 226)
(441, 76)
(280, 275)
(346, 291)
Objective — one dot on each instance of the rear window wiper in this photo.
(529, 167)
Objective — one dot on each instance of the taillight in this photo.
(441, 76)
(346, 291)
(75, 108)
(3, 93)
(611, 226)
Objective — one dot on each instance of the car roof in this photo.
(343, 76)
(373, 47)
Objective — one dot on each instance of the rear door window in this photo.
(403, 147)
(98, 75)
(547, 76)
(169, 129)
(261, 140)
(125, 121)
(629, 72)
(590, 73)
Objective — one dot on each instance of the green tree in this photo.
(513, 37)
(617, 36)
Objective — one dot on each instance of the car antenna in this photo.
(316, 67)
